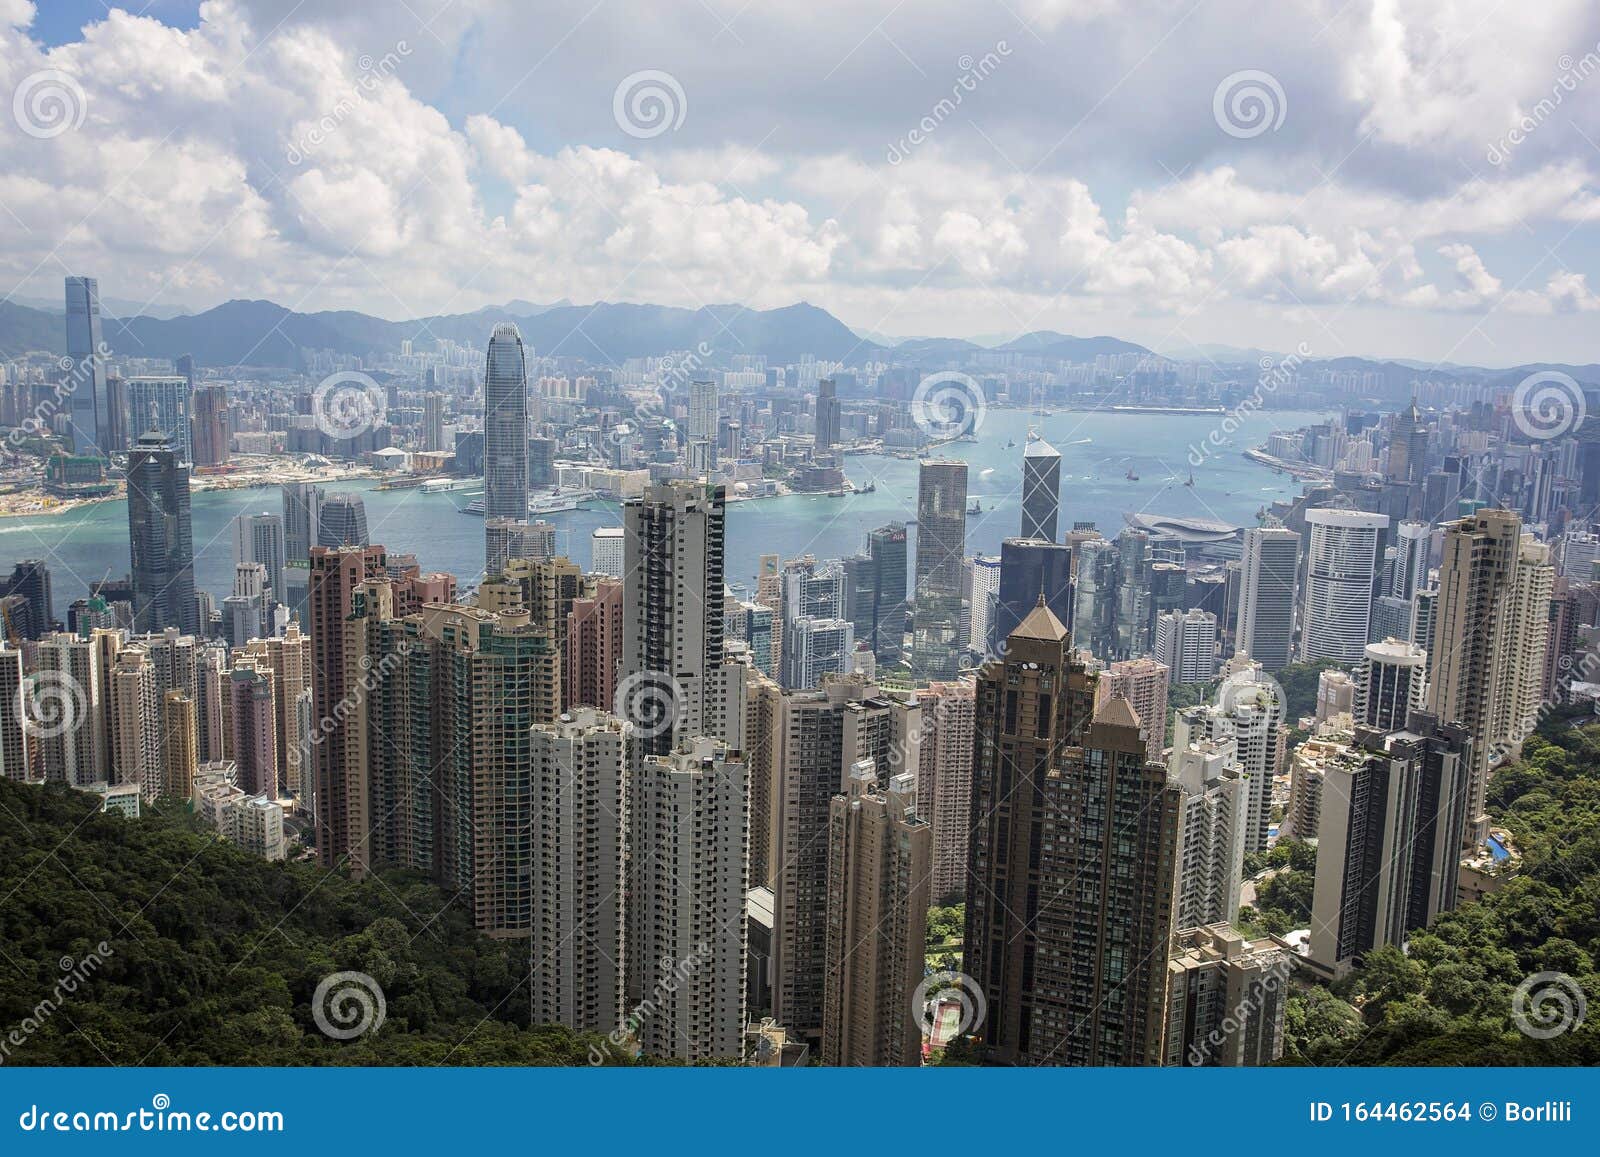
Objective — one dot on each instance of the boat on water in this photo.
(1010, 442)
(1190, 482)
(975, 508)
(1132, 475)
(443, 485)
(558, 502)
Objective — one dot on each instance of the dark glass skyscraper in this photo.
(90, 403)
(505, 437)
(1031, 568)
(877, 594)
(1041, 490)
(941, 545)
(343, 521)
(160, 539)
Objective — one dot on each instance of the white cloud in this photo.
(294, 165)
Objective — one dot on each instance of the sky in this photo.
(1392, 178)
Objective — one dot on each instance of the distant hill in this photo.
(1053, 346)
(23, 328)
(263, 333)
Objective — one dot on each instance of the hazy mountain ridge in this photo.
(268, 335)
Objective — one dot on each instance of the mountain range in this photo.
(267, 335)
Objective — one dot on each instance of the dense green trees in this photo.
(213, 956)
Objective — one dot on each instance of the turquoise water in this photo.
(1097, 449)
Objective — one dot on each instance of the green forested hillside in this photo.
(213, 956)
(1449, 1001)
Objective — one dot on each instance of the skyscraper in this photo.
(1388, 839)
(1341, 573)
(1186, 642)
(160, 537)
(342, 816)
(16, 743)
(302, 520)
(90, 405)
(827, 414)
(1041, 490)
(209, 424)
(1490, 624)
(941, 548)
(690, 871)
(672, 628)
(1212, 829)
(703, 405)
(944, 782)
(1391, 683)
(608, 551)
(342, 521)
(1144, 683)
(879, 862)
(1250, 712)
(259, 538)
(161, 404)
(582, 767)
(1067, 931)
(1030, 567)
(31, 616)
(1266, 596)
(819, 736)
(878, 593)
(505, 431)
